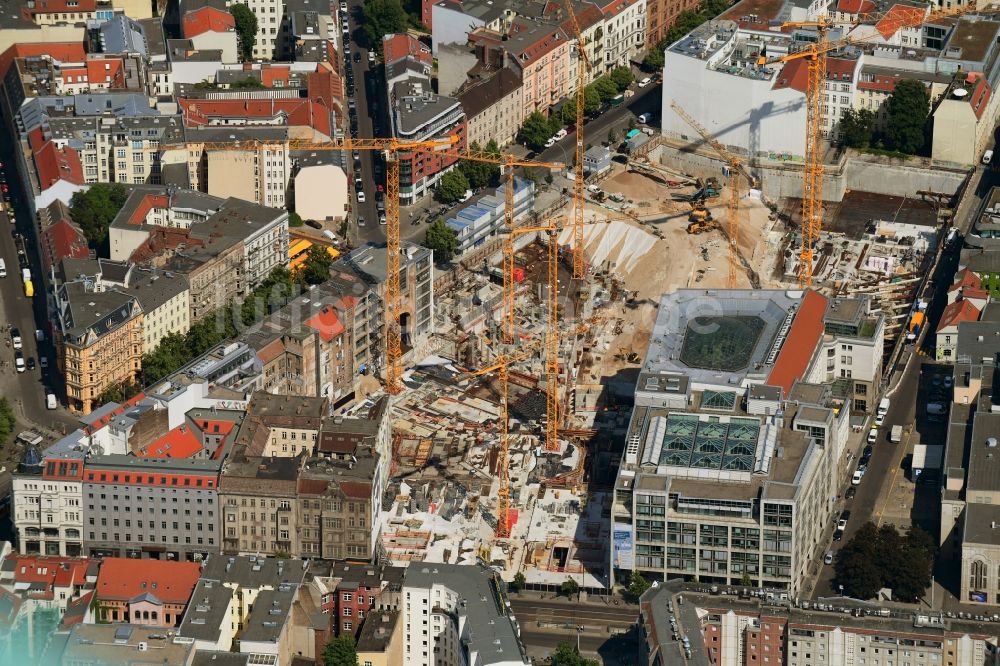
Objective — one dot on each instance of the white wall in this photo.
(193, 72)
(738, 111)
(451, 26)
(321, 192)
(226, 41)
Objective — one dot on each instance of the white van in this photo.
(883, 407)
(50, 401)
(987, 157)
(3, 268)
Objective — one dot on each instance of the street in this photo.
(26, 390)
(606, 628)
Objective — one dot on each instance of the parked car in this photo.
(361, 220)
(838, 535)
(873, 435)
(643, 118)
(15, 338)
(879, 419)
(19, 361)
(856, 479)
(43, 361)
(828, 558)
(851, 492)
(645, 82)
(314, 224)
(31, 363)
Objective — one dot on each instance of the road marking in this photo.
(892, 482)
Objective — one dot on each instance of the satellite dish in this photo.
(959, 93)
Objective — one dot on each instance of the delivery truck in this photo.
(896, 434)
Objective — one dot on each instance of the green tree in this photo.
(206, 84)
(7, 421)
(746, 580)
(382, 17)
(880, 557)
(246, 28)
(569, 587)
(519, 582)
(637, 586)
(591, 100)
(606, 88)
(622, 77)
(653, 60)
(94, 209)
(316, 268)
(451, 187)
(249, 83)
(536, 131)
(341, 651)
(856, 128)
(531, 174)
(566, 654)
(478, 173)
(118, 392)
(442, 239)
(613, 136)
(295, 220)
(907, 111)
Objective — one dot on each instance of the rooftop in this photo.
(271, 610)
(254, 571)
(984, 454)
(125, 579)
(123, 644)
(209, 608)
(377, 631)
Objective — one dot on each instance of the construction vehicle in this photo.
(628, 355)
(700, 214)
(815, 53)
(704, 190)
(698, 227)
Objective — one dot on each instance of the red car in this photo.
(378, 188)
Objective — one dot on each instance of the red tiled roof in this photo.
(63, 6)
(324, 85)
(356, 489)
(269, 74)
(975, 293)
(795, 354)
(326, 323)
(962, 310)
(795, 73)
(51, 571)
(855, 6)
(980, 97)
(53, 164)
(965, 279)
(206, 19)
(547, 42)
(299, 112)
(215, 427)
(122, 579)
(106, 70)
(58, 51)
(178, 443)
(880, 82)
(898, 17)
(312, 486)
(615, 7)
(271, 351)
(148, 203)
(115, 413)
(65, 240)
(399, 46)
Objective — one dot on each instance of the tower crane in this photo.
(582, 67)
(391, 146)
(509, 162)
(736, 171)
(815, 54)
(501, 366)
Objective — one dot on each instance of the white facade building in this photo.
(48, 508)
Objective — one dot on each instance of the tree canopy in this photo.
(441, 238)
(907, 112)
(246, 28)
(451, 187)
(7, 421)
(880, 557)
(93, 210)
(566, 654)
(386, 17)
(569, 587)
(316, 268)
(622, 77)
(856, 128)
(481, 174)
(637, 586)
(536, 130)
(340, 651)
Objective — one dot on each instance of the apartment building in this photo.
(477, 221)
(728, 471)
(49, 582)
(455, 614)
(99, 340)
(269, 14)
(144, 592)
(47, 498)
(151, 508)
(358, 591)
(59, 237)
(731, 631)
(116, 149)
(543, 54)
(416, 316)
(661, 15)
(211, 28)
(302, 506)
(494, 108)
(224, 247)
(850, 354)
(306, 347)
(163, 296)
(281, 425)
(624, 32)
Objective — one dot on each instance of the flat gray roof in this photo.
(254, 571)
(984, 460)
(119, 644)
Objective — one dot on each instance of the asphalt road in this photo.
(531, 610)
(26, 390)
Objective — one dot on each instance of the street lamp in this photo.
(841, 590)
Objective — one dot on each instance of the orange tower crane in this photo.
(815, 54)
(500, 366)
(393, 346)
(736, 170)
(508, 162)
(582, 67)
